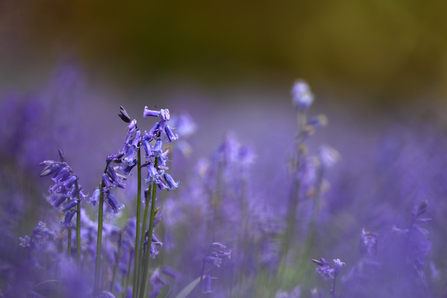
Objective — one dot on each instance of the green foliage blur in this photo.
(392, 51)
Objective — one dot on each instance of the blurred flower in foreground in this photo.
(302, 97)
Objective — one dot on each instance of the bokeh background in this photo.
(378, 70)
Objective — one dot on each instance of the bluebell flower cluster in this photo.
(157, 163)
(216, 253)
(63, 194)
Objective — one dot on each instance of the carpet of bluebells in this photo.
(157, 221)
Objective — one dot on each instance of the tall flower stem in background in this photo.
(99, 241)
(215, 201)
(78, 226)
(311, 234)
(115, 270)
(294, 198)
(302, 98)
(149, 237)
(137, 233)
(128, 274)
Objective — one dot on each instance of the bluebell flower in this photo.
(72, 204)
(337, 266)
(150, 113)
(302, 97)
(66, 222)
(170, 182)
(95, 197)
(165, 115)
(368, 244)
(170, 134)
(112, 202)
(25, 242)
(324, 269)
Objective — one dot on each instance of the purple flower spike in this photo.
(170, 134)
(170, 181)
(150, 113)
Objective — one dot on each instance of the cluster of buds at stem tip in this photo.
(64, 193)
(216, 253)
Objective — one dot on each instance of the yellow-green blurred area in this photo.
(389, 51)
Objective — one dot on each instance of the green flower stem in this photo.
(69, 244)
(311, 235)
(99, 241)
(293, 205)
(115, 270)
(149, 238)
(137, 233)
(143, 230)
(78, 226)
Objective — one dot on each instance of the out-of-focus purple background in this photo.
(377, 70)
